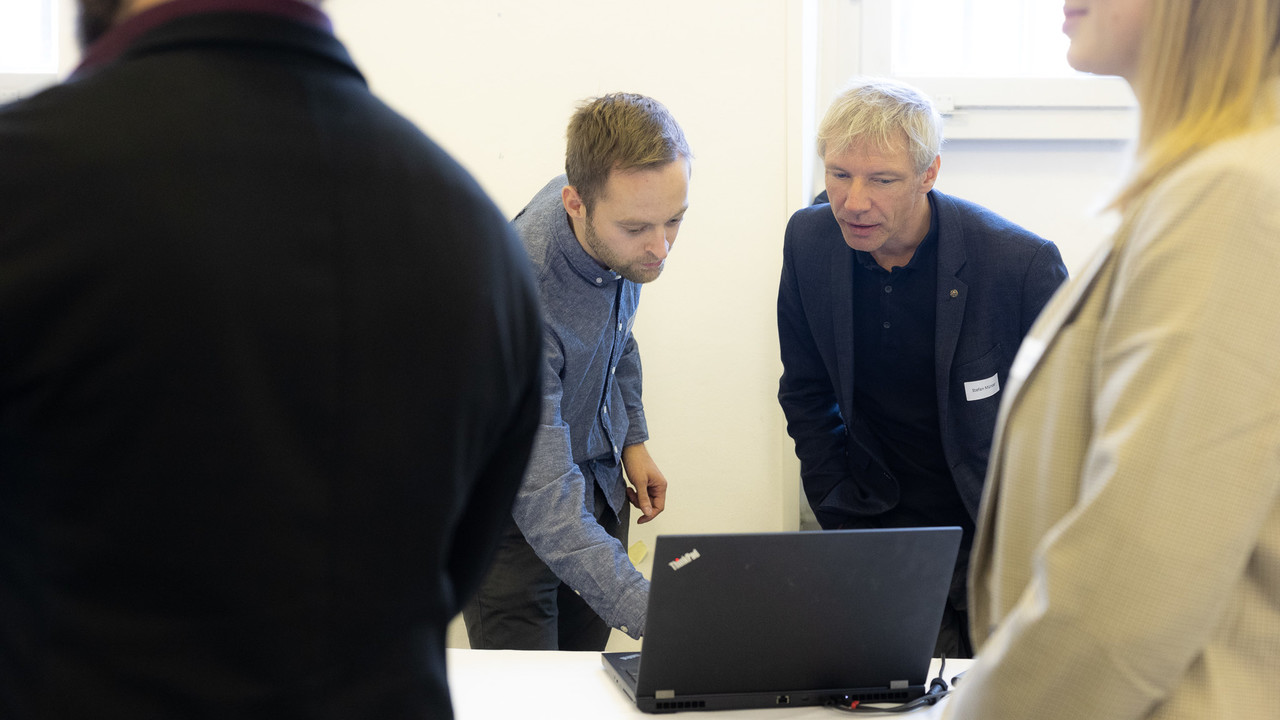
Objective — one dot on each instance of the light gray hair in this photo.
(882, 111)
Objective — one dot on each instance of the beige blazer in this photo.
(1127, 561)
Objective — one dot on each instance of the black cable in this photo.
(938, 689)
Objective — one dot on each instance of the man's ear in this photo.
(573, 203)
(930, 174)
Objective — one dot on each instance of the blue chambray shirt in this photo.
(591, 409)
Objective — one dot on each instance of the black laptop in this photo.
(793, 618)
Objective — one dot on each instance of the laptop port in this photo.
(784, 699)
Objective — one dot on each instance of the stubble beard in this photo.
(605, 254)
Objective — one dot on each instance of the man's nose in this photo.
(660, 243)
(858, 199)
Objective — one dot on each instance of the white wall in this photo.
(1052, 188)
(494, 81)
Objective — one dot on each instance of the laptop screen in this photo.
(794, 612)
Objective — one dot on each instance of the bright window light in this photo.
(28, 37)
(979, 38)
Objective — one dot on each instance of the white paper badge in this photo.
(979, 389)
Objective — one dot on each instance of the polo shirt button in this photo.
(886, 324)
(624, 629)
(605, 409)
(599, 280)
(888, 288)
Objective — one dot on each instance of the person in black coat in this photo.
(900, 310)
(269, 377)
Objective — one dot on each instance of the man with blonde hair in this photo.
(596, 234)
(899, 313)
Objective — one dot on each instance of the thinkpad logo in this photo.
(684, 559)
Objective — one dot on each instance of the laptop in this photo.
(793, 618)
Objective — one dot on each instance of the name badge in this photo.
(979, 389)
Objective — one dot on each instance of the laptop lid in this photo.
(793, 618)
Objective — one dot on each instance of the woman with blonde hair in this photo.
(1127, 563)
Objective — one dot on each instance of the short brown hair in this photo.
(619, 131)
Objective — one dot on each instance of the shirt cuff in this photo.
(637, 429)
(630, 612)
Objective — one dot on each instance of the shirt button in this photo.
(599, 280)
(624, 629)
(619, 327)
(613, 369)
(605, 410)
(615, 449)
(888, 288)
(886, 324)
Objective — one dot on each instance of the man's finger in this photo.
(642, 495)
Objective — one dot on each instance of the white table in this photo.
(537, 685)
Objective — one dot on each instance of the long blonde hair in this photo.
(1204, 75)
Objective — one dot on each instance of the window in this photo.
(995, 68)
(29, 34)
(979, 38)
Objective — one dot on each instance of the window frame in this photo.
(1066, 108)
(14, 86)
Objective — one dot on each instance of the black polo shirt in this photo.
(895, 389)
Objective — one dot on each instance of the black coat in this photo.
(993, 279)
(268, 382)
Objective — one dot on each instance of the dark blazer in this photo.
(993, 279)
(268, 383)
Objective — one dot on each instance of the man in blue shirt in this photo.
(899, 314)
(562, 577)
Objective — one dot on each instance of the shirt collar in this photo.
(121, 36)
(579, 259)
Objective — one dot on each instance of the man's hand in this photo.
(650, 491)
